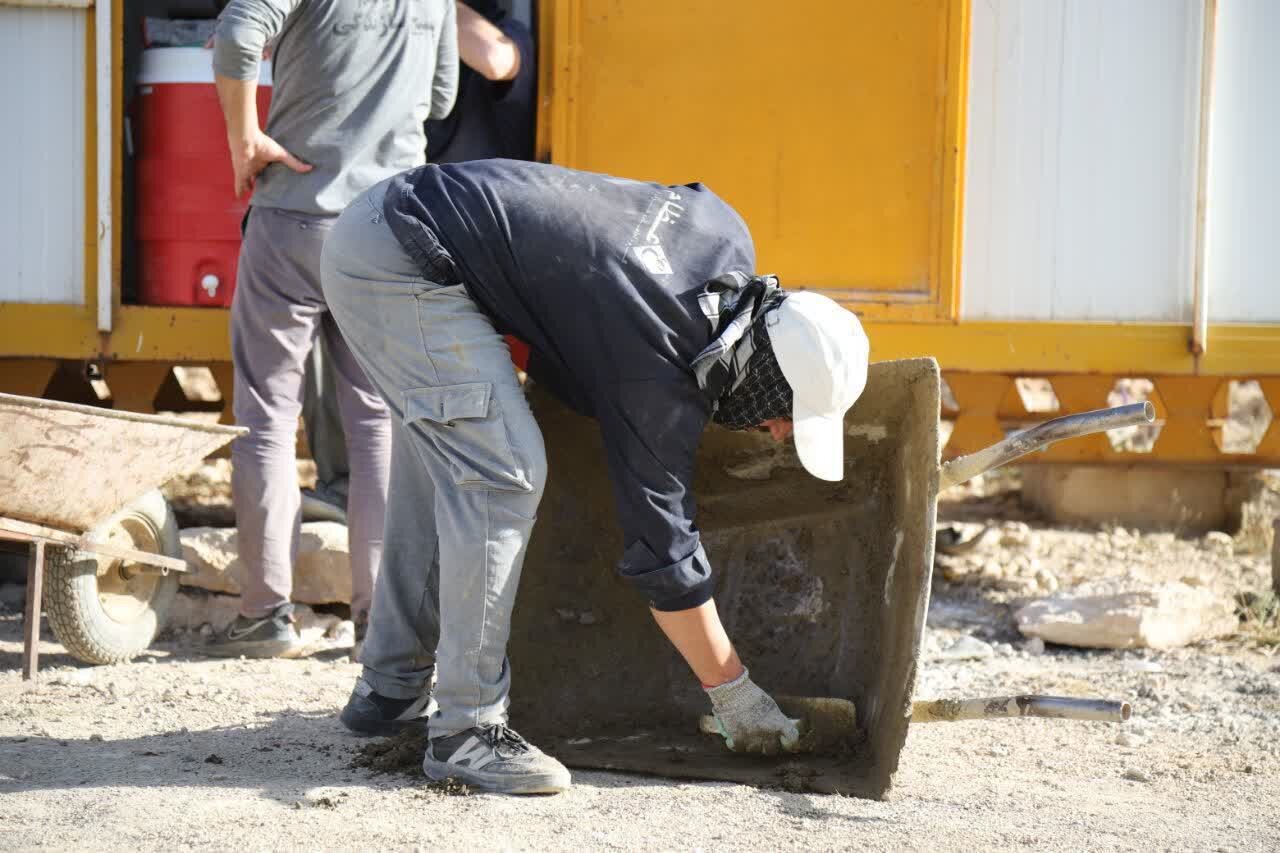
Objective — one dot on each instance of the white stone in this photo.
(344, 633)
(1108, 616)
(1219, 543)
(1142, 666)
(321, 575)
(314, 627)
(1046, 580)
(1015, 534)
(967, 648)
(1034, 646)
(1133, 774)
(208, 613)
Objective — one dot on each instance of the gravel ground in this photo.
(174, 750)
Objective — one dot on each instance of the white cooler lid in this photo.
(185, 65)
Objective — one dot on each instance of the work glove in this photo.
(749, 719)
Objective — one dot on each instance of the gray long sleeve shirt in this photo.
(353, 81)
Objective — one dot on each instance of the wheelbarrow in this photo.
(77, 486)
(823, 587)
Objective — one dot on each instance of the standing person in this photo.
(494, 116)
(496, 110)
(641, 310)
(353, 80)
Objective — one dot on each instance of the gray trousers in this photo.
(278, 311)
(322, 419)
(468, 470)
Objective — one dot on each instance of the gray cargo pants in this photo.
(277, 312)
(468, 469)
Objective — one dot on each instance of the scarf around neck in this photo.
(732, 304)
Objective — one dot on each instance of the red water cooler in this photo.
(188, 215)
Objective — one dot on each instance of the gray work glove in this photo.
(750, 720)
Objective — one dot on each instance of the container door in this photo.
(832, 126)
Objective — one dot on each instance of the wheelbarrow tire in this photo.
(99, 614)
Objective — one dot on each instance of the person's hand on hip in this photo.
(250, 156)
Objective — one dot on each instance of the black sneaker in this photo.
(371, 713)
(494, 758)
(270, 636)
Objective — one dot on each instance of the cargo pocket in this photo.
(464, 424)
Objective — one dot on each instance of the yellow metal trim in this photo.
(49, 4)
(566, 17)
(201, 334)
(1117, 348)
(914, 308)
(177, 334)
(142, 333)
(546, 80)
(949, 220)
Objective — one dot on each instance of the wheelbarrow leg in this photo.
(31, 615)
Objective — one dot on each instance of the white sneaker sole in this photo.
(553, 782)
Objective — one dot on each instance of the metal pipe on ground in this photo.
(1019, 444)
(996, 707)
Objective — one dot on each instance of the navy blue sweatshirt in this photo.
(600, 276)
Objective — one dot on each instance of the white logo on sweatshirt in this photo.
(649, 251)
(652, 258)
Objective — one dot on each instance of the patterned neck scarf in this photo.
(738, 371)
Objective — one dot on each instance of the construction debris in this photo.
(1106, 616)
(321, 575)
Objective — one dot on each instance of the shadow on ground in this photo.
(289, 755)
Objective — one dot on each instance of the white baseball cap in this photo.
(823, 353)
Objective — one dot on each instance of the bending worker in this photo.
(641, 310)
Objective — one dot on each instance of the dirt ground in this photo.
(175, 750)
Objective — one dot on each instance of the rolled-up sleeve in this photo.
(244, 29)
(651, 432)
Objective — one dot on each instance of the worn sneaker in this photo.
(494, 758)
(270, 636)
(370, 713)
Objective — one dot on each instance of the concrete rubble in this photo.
(1107, 615)
(194, 611)
(321, 575)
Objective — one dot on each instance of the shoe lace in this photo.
(505, 741)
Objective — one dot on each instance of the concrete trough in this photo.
(823, 587)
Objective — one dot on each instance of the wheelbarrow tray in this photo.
(69, 467)
(823, 587)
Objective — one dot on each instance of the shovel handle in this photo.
(1055, 707)
(1019, 444)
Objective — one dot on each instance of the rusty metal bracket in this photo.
(25, 531)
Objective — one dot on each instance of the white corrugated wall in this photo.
(1244, 173)
(1080, 179)
(42, 154)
